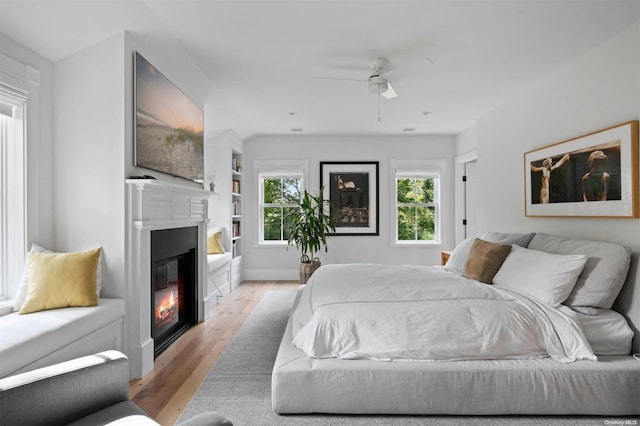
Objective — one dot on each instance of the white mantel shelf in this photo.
(159, 205)
(154, 205)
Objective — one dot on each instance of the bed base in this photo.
(608, 387)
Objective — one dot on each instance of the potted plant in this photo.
(308, 226)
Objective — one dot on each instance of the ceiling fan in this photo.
(376, 83)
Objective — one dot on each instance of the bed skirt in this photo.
(607, 387)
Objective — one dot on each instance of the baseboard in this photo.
(271, 274)
(141, 359)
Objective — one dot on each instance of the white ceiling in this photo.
(264, 57)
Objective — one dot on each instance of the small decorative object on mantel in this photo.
(594, 175)
(142, 177)
(211, 178)
(308, 227)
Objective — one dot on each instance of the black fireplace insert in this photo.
(173, 284)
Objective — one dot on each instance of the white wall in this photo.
(466, 141)
(600, 89)
(262, 263)
(89, 157)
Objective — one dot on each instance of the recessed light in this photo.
(409, 129)
(296, 129)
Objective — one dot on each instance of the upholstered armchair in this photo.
(90, 390)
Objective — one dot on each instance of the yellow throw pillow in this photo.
(60, 280)
(214, 243)
(484, 260)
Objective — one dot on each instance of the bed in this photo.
(542, 338)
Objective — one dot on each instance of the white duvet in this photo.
(386, 312)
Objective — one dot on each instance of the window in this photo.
(17, 82)
(417, 194)
(416, 208)
(280, 187)
(12, 190)
(279, 195)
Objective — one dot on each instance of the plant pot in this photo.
(307, 268)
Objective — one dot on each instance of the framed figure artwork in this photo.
(593, 175)
(352, 189)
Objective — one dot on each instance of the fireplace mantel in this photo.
(154, 205)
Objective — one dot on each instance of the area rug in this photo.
(239, 384)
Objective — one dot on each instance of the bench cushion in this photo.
(215, 261)
(27, 338)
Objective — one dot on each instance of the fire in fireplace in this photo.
(169, 285)
(174, 282)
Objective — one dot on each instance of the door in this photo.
(470, 201)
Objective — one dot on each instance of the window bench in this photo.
(44, 338)
(218, 283)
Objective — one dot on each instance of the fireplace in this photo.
(173, 284)
(155, 206)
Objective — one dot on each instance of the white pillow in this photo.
(459, 256)
(585, 310)
(545, 276)
(21, 293)
(508, 238)
(604, 273)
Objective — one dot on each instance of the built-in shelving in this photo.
(236, 203)
(223, 157)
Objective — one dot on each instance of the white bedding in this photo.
(608, 332)
(388, 312)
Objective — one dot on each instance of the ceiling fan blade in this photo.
(343, 79)
(390, 93)
(406, 65)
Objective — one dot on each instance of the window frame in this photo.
(13, 198)
(435, 204)
(407, 169)
(19, 86)
(266, 169)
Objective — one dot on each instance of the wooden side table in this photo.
(444, 256)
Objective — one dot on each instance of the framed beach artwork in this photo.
(169, 127)
(352, 189)
(593, 175)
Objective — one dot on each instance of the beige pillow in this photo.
(60, 280)
(214, 243)
(484, 260)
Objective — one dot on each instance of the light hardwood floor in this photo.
(177, 373)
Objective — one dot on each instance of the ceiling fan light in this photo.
(377, 84)
(378, 88)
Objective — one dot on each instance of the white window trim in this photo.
(275, 168)
(19, 87)
(415, 168)
(13, 200)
